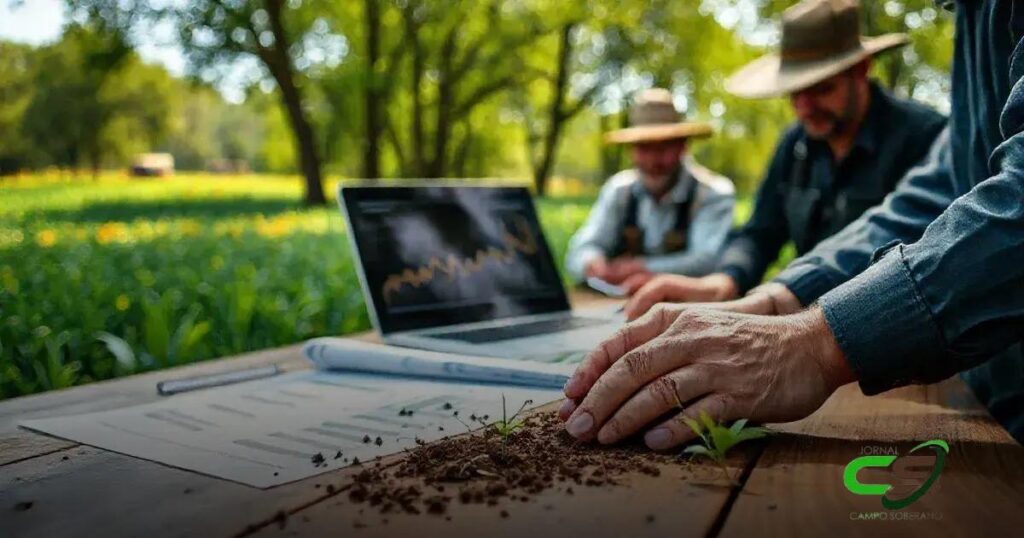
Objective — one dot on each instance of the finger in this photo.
(654, 400)
(624, 340)
(623, 378)
(674, 432)
(568, 406)
(635, 282)
(656, 291)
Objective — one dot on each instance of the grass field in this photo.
(102, 279)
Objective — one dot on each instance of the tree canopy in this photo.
(415, 88)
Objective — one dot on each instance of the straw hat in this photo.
(820, 38)
(654, 118)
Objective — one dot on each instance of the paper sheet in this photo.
(353, 355)
(264, 433)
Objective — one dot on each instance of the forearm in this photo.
(921, 196)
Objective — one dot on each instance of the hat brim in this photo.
(767, 76)
(658, 133)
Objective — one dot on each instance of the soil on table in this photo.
(479, 469)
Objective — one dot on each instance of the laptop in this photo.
(465, 269)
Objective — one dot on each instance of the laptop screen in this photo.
(435, 256)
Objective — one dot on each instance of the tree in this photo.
(87, 105)
(213, 33)
(16, 92)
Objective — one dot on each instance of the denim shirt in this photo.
(710, 220)
(931, 282)
(807, 196)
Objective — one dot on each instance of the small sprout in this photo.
(447, 406)
(338, 455)
(717, 439)
(355, 461)
(378, 441)
(317, 458)
(366, 439)
(507, 425)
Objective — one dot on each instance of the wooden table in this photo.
(790, 485)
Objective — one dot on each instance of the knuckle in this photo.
(638, 362)
(663, 390)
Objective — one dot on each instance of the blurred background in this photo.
(167, 167)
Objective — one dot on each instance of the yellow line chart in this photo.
(452, 266)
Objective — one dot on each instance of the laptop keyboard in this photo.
(484, 335)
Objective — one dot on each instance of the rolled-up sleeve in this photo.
(953, 298)
(705, 237)
(920, 197)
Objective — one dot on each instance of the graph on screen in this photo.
(521, 241)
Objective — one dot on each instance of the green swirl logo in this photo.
(890, 502)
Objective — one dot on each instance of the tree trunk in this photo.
(280, 66)
(374, 128)
(443, 118)
(556, 115)
(417, 65)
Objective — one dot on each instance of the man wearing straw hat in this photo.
(668, 214)
(852, 143)
(926, 285)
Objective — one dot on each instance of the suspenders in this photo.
(632, 241)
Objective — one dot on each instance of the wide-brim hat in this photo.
(820, 39)
(654, 118)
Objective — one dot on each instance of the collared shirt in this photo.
(931, 283)
(711, 218)
(806, 196)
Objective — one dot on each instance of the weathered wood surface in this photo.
(793, 487)
(796, 487)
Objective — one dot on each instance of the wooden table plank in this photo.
(796, 488)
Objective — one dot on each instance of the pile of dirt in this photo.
(480, 468)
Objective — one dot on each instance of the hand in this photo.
(597, 268)
(677, 288)
(634, 283)
(731, 365)
(623, 267)
(769, 299)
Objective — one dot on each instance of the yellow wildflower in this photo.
(46, 238)
(109, 232)
(122, 302)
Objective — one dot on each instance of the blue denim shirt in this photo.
(809, 197)
(931, 282)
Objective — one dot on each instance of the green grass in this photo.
(181, 270)
(100, 279)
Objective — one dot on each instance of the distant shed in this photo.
(153, 164)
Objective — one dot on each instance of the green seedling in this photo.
(508, 425)
(717, 439)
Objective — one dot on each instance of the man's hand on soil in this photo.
(731, 365)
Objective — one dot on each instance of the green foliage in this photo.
(717, 439)
(108, 278)
(464, 89)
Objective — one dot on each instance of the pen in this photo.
(175, 386)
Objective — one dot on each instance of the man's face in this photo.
(657, 161)
(826, 108)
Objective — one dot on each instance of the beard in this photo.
(838, 123)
